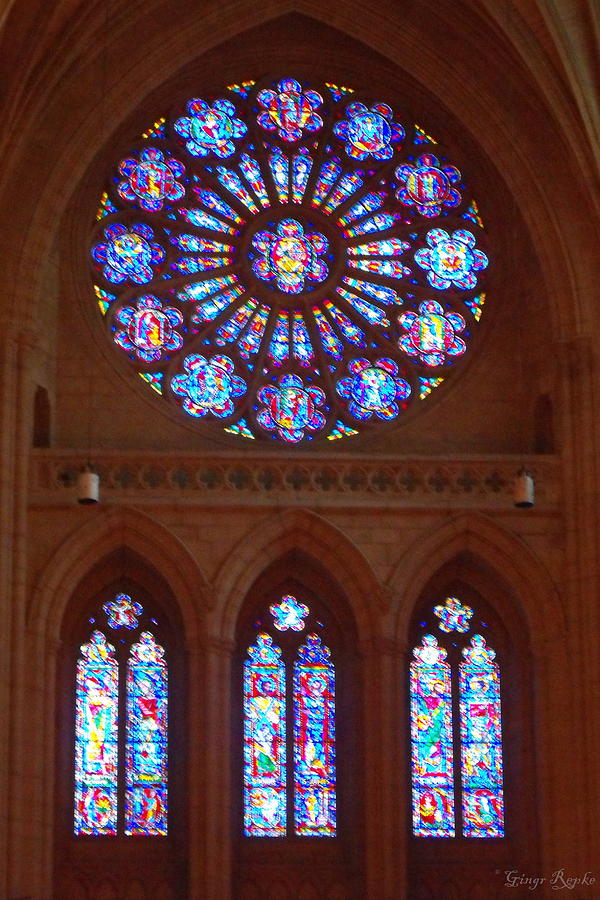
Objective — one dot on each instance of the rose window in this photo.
(291, 261)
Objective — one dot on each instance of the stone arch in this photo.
(502, 551)
(107, 532)
(296, 529)
(182, 44)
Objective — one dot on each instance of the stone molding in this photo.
(471, 482)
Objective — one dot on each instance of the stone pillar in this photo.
(581, 583)
(210, 770)
(15, 415)
(385, 748)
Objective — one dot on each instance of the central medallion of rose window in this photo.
(288, 257)
(287, 260)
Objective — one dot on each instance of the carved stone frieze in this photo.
(479, 482)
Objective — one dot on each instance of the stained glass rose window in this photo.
(290, 261)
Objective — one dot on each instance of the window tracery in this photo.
(121, 731)
(289, 728)
(289, 261)
(456, 729)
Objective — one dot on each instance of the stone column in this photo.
(15, 441)
(385, 747)
(210, 770)
(580, 401)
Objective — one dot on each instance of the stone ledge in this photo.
(469, 482)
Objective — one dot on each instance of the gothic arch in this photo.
(296, 529)
(161, 63)
(108, 532)
(501, 550)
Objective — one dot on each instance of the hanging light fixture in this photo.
(88, 486)
(524, 489)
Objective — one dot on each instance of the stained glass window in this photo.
(289, 728)
(121, 726)
(431, 732)
(96, 745)
(481, 741)
(264, 740)
(314, 740)
(286, 223)
(456, 731)
(146, 755)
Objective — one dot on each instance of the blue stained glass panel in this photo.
(367, 204)
(279, 348)
(205, 220)
(213, 202)
(314, 741)
(210, 309)
(190, 243)
(344, 189)
(351, 332)
(251, 172)
(331, 343)
(327, 178)
(385, 247)
(481, 742)
(147, 737)
(378, 222)
(232, 182)
(230, 330)
(96, 734)
(264, 741)
(301, 166)
(385, 295)
(279, 165)
(203, 289)
(371, 313)
(390, 267)
(431, 734)
(188, 265)
(302, 346)
(249, 343)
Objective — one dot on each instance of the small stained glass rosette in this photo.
(289, 261)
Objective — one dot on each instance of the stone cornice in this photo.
(469, 482)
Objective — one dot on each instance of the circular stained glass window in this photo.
(289, 261)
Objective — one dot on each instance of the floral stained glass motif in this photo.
(451, 260)
(431, 734)
(427, 185)
(481, 742)
(210, 129)
(453, 615)
(122, 612)
(314, 741)
(373, 389)
(148, 330)
(369, 132)
(128, 254)
(287, 222)
(431, 335)
(289, 256)
(96, 735)
(291, 408)
(264, 741)
(208, 386)
(146, 752)
(151, 179)
(290, 110)
(288, 613)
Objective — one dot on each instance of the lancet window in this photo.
(456, 728)
(121, 725)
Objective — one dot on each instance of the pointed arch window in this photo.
(456, 730)
(121, 726)
(289, 727)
